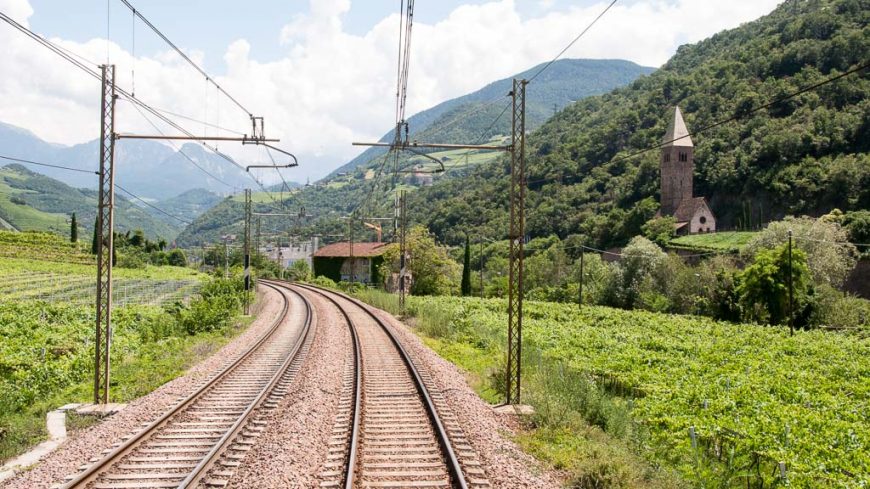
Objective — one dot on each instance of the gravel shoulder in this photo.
(293, 449)
(506, 465)
(90, 442)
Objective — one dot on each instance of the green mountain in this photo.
(468, 119)
(461, 120)
(805, 155)
(188, 205)
(30, 201)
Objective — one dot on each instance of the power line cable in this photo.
(836, 243)
(735, 117)
(198, 121)
(69, 168)
(30, 162)
(140, 199)
(184, 56)
(180, 151)
(62, 53)
(582, 33)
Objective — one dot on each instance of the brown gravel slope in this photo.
(506, 465)
(80, 447)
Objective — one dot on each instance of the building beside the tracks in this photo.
(297, 249)
(333, 262)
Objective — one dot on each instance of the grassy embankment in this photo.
(617, 393)
(732, 241)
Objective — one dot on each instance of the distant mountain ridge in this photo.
(149, 169)
(30, 201)
(464, 119)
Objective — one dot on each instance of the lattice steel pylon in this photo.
(516, 236)
(105, 237)
(403, 265)
(247, 251)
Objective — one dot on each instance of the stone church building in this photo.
(692, 213)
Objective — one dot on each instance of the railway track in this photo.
(200, 440)
(388, 433)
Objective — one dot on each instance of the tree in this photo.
(857, 224)
(763, 286)
(138, 238)
(73, 229)
(660, 230)
(432, 270)
(641, 258)
(829, 254)
(465, 287)
(299, 271)
(177, 258)
(94, 240)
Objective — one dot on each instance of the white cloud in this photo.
(333, 87)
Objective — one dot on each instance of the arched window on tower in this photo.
(683, 156)
(667, 157)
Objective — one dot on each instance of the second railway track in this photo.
(201, 439)
(388, 433)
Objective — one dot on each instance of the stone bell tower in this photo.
(677, 165)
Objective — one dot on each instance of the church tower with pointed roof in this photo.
(692, 213)
(677, 165)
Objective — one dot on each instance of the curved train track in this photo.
(200, 440)
(388, 433)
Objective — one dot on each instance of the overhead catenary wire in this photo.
(94, 172)
(181, 152)
(836, 243)
(123, 93)
(574, 41)
(145, 202)
(184, 56)
(31, 162)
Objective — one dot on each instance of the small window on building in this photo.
(703, 219)
(667, 157)
(684, 157)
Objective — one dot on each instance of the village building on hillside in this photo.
(297, 250)
(692, 213)
(333, 262)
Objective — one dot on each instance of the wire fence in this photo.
(81, 290)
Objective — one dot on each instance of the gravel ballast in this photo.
(291, 453)
(90, 442)
(506, 465)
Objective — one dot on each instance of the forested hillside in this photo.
(30, 201)
(469, 118)
(466, 119)
(805, 155)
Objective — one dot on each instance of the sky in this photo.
(321, 72)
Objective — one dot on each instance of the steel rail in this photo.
(221, 446)
(357, 389)
(94, 471)
(454, 468)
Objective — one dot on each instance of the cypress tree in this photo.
(73, 229)
(94, 240)
(466, 269)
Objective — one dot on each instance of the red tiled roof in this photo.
(342, 250)
(688, 207)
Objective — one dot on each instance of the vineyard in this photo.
(81, 289)
(43, 246)
(719, 401)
